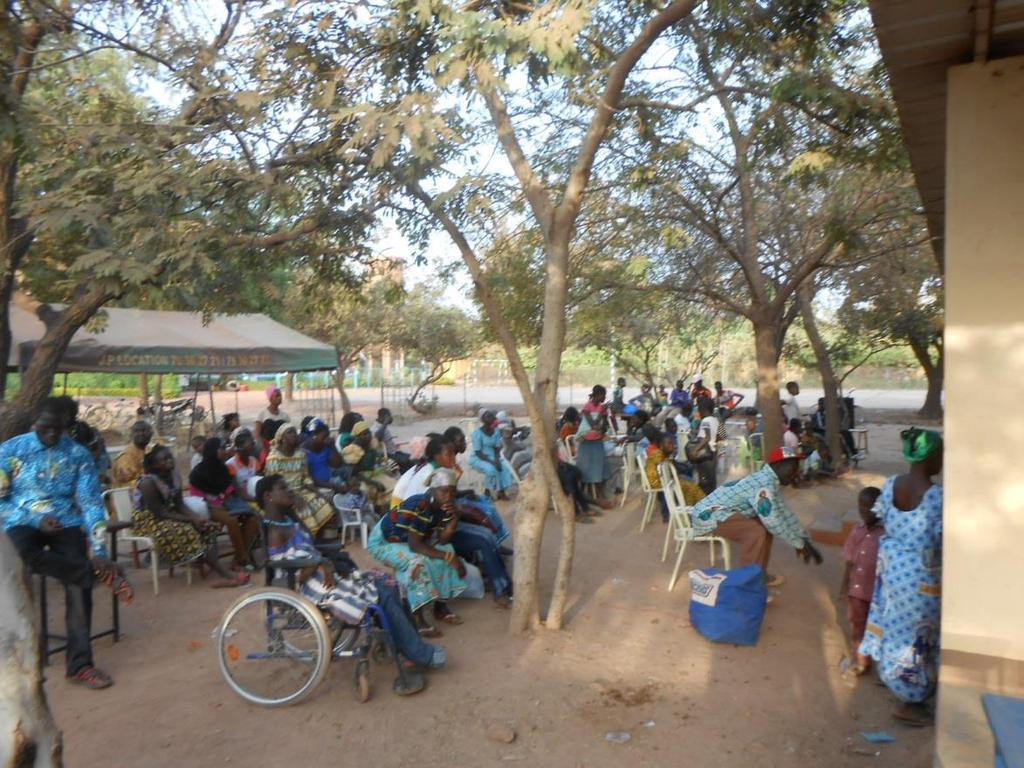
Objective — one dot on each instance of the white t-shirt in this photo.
(266, 415)
(412, 482)
(789, 439)
(709, 426)
(790, 407)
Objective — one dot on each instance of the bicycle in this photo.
(275, 646)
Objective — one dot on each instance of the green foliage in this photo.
(432, 332)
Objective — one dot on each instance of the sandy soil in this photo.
(627, 661)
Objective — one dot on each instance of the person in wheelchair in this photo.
(336, 585)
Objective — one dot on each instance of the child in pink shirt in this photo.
(861, 554)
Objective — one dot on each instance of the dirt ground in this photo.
(627, 661)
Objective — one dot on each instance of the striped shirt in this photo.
(415, 515)
(348, 599)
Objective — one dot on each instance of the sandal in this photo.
(913, 715)
(240, 580)
(449, 617)
(429, 631)
(503, 602)
(120, 586)
(91, 677)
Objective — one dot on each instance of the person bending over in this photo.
(751, 513)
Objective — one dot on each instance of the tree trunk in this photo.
(158, 389)
(529, 531)
(436, 372)
(829, 382)
(549, 359)
(768, 384)
(144, 390)
(339, 383)
(934, 371)
(28, 735)
(289, 386)
(37, 380)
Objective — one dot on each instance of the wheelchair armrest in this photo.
(114, 527)
(329, 547)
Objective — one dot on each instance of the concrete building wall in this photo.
(983, 556)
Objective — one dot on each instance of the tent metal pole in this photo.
(213, 411)
(192, 419)
(65, 391)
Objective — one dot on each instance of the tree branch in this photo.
(609, 103)
(536, 194)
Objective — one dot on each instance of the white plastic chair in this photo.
(350, 518)
(628, 469)
(117, 505)
(569, 448)
(680, 526)
(512, 470)
(650, 494)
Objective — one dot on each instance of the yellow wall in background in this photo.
(983, 567)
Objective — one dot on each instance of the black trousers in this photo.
(63, 556)
(707, 474)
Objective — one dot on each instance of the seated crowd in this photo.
(294, 485)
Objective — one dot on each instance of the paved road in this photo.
(508, 396)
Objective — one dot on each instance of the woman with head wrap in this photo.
(486, 457)
(289, 461)
(902, 632)
(273, 409)
(415, 540)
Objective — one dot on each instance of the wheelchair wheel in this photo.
(274, 647)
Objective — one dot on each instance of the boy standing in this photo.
(861, 554)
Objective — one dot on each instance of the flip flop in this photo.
(119, 585)
(429, 632)
(450, 618)
(240, 580)
(912, 718)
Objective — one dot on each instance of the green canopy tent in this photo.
(156, 341)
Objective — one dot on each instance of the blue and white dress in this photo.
(902, 632)
(496, 477)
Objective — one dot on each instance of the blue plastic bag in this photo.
(728, 606)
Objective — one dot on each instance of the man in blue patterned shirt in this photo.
(52, 510)
(751, 512)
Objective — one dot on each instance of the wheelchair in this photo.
(275, 645)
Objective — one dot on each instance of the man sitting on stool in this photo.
(41, 474)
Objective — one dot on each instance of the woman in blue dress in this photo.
(902, 632)
(486, 457)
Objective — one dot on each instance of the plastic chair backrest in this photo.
(674, 496)
(119, 506)
(569, 449)
(250, 485)
(641, 462)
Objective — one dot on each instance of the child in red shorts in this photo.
(861, 554)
